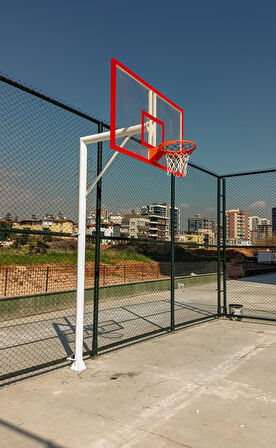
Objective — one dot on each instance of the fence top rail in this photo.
(53, 101)
(75, 111)
(249, 173)
(204, 170)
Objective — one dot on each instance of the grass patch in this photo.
(108, 256)
(114, 256)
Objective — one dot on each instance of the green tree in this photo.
(4, 234)
(38, 247)
(20, 240)
(47, 238)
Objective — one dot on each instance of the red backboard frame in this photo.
(113, 145)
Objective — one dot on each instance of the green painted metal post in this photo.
(224, 244)
(97, 250)
(172, 327)
(218, 245)
(47, 279)
(6, 282)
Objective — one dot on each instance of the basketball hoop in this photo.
(177, 154)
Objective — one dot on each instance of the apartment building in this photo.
(194, 238)
(255, 221)
(237, 225)
(159, 215)
(200, 222)
(116, 218)
(209, 236)
(107, 229)
(49, 223)
(91, 218)
(135, 226)
(262, 233)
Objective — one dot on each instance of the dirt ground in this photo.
(20, 280)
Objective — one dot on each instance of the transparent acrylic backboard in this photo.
(135, 103)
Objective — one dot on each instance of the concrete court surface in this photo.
(46, 337)
(38, 339)
(209, 386)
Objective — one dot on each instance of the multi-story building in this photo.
(256, 230)
(264, 222)
(254, 221)
(106, 230)
(194, 238)
(158, 221)
(50, 223)
(237, 225)
(274, 219)
(91, 218)
(209, 236)
(263, 232)
(116, 218)
(159, 215)
(180, 238)
(202, 236)
(200, 222)
(135, 226)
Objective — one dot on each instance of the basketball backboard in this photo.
(135, 103)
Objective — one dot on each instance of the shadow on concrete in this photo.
(258, 321)
(57, 335)
(269, 279)
(66, 334)
(41, 442)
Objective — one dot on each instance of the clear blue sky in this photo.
(216, 59)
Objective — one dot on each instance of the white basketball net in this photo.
(177, 163)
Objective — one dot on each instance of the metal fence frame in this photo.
(221, 245)
(222, 198)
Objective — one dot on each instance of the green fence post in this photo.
(6, 282)
(47, 279)
(97, 249)
(218, 245)
(172, 251)
(224, 244)
(104, 274)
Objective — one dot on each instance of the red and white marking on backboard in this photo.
(134, 102)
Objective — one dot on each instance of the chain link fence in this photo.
(250, 243)
(147, 270)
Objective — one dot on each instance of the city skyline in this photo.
(153, 222)
(136, 210)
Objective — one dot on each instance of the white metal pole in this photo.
(78, 363)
